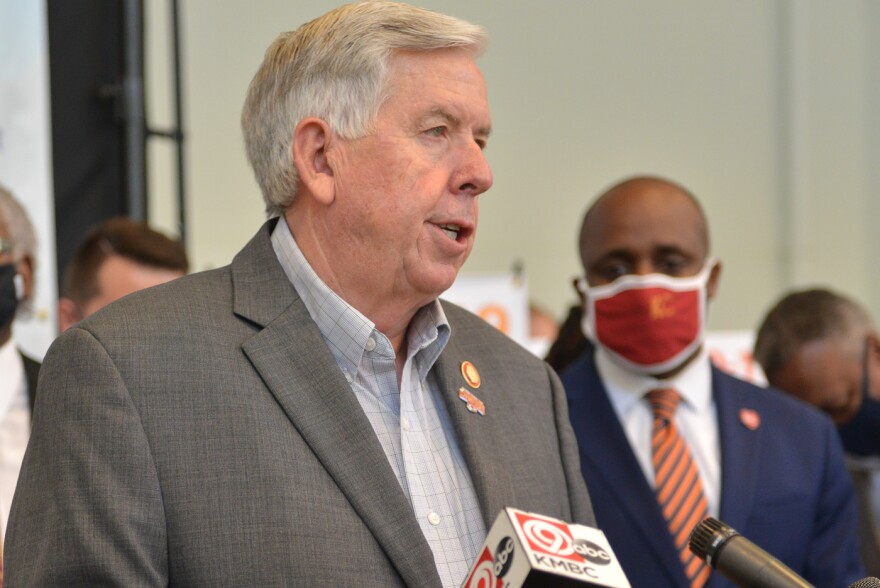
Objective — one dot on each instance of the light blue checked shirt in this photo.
(411, 423)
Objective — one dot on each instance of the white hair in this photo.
(334, 68)
(21, 233)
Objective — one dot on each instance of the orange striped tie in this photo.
(679, 489)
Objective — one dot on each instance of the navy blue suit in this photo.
(784, 485)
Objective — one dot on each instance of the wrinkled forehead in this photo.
(446, 83)
(458, 64)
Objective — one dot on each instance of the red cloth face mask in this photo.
(649, 324)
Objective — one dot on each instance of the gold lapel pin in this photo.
(470, 374)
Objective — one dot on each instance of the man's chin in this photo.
(843, 416)
(435, 283)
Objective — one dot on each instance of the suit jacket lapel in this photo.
(740, 449)
(491, 481)
(300, 371)
(614, 462)
(31, 373)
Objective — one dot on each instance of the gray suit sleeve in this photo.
(581, 508)
(87, 509)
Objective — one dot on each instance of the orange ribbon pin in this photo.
(472, 403)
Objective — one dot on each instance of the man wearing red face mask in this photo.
(667, 439)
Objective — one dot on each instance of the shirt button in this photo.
(404, 422)
(371, 344)
(348, 377)
(434, 518)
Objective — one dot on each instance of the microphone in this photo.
(869, 582)
(739, 560)
(527, 550)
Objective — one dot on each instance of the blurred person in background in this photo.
(18, 373)
(116, 258)
(823, 348)
(570, 342)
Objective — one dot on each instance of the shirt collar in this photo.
(625, 388)
(345, 329)
(428, 334)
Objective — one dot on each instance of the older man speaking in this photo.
(310, 415)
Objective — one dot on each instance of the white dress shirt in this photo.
(409, 419)
(15, 424)
(696, 416)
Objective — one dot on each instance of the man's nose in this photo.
(475, 175)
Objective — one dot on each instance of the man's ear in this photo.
(873, 343)
(714, 278)
(68, 314)
(311, 140)
(25, 268)
(872, 340)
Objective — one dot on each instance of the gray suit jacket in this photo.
(201, 434)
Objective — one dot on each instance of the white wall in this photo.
(26, 156)
(766, 110)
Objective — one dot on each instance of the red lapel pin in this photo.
(749, 418)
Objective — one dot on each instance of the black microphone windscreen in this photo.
(707, 537)
(739, 560)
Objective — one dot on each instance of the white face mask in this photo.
(648, 324)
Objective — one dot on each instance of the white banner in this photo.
(26, 154)
(502, 299)
(731, 351)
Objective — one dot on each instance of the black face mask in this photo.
(10, 296)
(861, 435)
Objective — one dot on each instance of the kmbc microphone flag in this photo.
(530, 550)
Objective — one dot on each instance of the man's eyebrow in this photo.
(441, 112)
(675, 250)
(455, 122)
(447, 116)
(619, 253)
